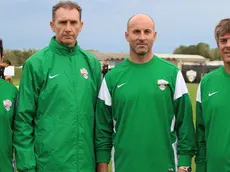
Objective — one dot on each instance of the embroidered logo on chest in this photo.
(7, 104)
(84, 73)
(162, 84)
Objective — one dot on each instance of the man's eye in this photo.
(73, 22)
(136, 31)
(223, 40)
(148, 31)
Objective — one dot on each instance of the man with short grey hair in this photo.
(54, 123)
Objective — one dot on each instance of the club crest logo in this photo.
(84, 73)
(191, 75)
(162, 84)
(7, 104)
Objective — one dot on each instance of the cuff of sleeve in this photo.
(184, 160)
(29, 170)
(201, 167)
(103, 156)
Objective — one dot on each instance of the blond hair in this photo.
(222, 28)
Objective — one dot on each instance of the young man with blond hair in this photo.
(213, 110)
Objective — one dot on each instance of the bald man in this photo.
(144, 114)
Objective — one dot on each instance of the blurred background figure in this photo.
(1, 59)
(105, 67)
(6, 70)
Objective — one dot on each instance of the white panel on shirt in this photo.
(181, 87)
(104, 93)
(198, 94)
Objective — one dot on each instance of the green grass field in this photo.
(16, 78)
(192, 88)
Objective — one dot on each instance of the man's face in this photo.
(67, 25)
(141, 36)
(224, 47)
(5, 64)
(105, 62)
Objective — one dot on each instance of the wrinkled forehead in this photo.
(141, 24)
(67, 14)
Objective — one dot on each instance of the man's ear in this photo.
(82, 23)
(155, 36)
(127, 36)
(52, 26)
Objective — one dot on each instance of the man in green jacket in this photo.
(54, 124)
(213, 110)
(8, 96)
(144, 111)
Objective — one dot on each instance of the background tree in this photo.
(201, 48)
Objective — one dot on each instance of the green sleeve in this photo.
(15, 107)
(200, 137)
(185, 130)
(23, 130)
(104, 125)
(98, 76)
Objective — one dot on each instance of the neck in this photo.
(140, 59)
(227, 67)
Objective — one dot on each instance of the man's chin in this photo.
(141, 53)
(69, 43)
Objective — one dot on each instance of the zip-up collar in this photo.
(63, 49)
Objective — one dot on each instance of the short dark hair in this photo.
(66, 5)
(7, 62)
(1, 48)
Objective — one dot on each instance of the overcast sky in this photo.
(25, 23)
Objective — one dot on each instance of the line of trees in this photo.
(201, 48)
(17, 57)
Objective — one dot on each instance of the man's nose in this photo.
(142, 36)
(68, 27)
(228, 43)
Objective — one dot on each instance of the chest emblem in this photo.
(84, 73)
(7, 104)
(191, 75)
(162, 84)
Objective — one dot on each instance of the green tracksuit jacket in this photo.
(54, 123)
(8, 96)
(213, 122)
(144, 113)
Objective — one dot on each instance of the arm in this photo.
(24, 121)
(98, 77)
(104, 129)
(102, 167)
(200, 136)
(9, 78)
(184, 123)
